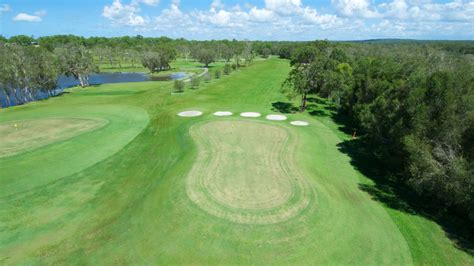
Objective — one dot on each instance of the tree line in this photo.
(30, 65)
(412, 104)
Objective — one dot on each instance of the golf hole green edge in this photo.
(81, 151)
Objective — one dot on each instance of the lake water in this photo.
(101, 78)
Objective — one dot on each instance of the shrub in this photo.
(207, 78)
(217, 74)
(227, 69)
(194, 82)
(178, 86)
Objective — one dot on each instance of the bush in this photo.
(207, 78)
(194, 82)
(217, 74)
(227, 69)
(178, 86)
(234, 67)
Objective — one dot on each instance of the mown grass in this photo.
(130, 204)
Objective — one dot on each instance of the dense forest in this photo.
(413, 105)
(410, 102)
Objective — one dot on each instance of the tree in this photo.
(195, 82)
(22, 40)
(227, 52)
(217, 74)
(25, 71)
(227, 69)
(152, 61)
(298, 83)
(76, 61)
(206, 56)
(247, 54)
(266, 52)
(207, 78)
(178, 86)
(159, 59)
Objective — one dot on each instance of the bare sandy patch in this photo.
(276, 117)
(250, 114)
(299, 123)
(190, 113)
(223, 113)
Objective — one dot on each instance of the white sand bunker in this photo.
(190, 113)
(250, 114)
(276, 117)
(299, 123)
(222, 113)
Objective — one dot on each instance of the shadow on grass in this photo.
(284, 107)
(390, 190)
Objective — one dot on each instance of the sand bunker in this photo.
(276, 117)
(223, 113)
(299, 123)
(250, 114)
(190, 113)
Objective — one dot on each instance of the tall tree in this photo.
(76, 61)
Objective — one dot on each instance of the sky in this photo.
(247, 19)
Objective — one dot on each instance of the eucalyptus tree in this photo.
(25, 70)
(227, 52)
(158, 59)
(76, 61)
(247, 53)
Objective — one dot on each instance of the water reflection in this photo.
(97, 79)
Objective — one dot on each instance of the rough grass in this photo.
(118, 194)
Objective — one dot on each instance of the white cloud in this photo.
(4, 9)
(356, 8)
(261, 15)
(217, 4)
(283, 7)
(325, 21)
(126, 15)
(27, 18)
(291, 19)
(150, 2)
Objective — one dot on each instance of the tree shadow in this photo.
(284, 107)
(316, 100)
(388, 189)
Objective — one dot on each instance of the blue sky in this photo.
(248, 19)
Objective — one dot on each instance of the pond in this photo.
(119, 77)
(100, 78)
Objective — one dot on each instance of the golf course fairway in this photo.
(111, 174)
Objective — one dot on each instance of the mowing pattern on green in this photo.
(245, 173)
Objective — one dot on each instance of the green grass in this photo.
(179, 65)
(118, 194)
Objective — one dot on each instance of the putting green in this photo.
(99, 132)
(19, 136)
(245, 173)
